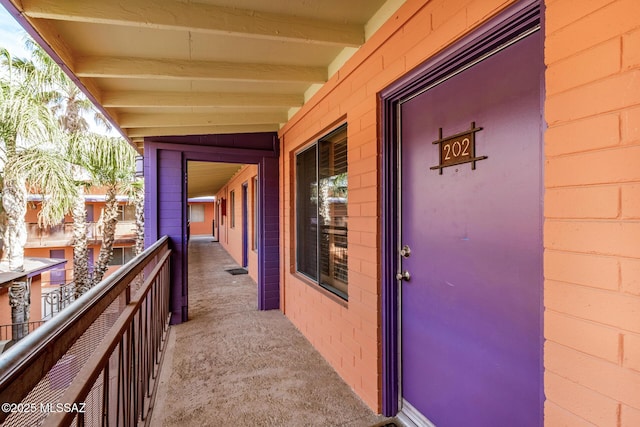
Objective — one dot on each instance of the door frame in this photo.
(513, 24)
(245, 224)
(166, 159)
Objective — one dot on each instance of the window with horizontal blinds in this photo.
(321, 212)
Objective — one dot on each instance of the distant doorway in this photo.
(166, 160)
(245, 224)
(59, 275)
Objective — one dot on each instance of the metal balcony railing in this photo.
(8, 331)
(55, 300)
(96, 362)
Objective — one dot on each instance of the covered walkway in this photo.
(231, 364)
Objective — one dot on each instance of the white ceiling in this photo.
(207, 178)
(183, 67)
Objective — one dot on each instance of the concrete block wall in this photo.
(591, 204)
(592, 213)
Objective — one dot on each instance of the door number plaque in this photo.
(458, 149)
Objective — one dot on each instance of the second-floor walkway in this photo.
(231, 364)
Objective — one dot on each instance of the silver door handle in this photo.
(403, 276)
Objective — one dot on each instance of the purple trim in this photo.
(245, 224)
(24, 23)
(507, 25)
(151, 199)
(165, 164)
(247, 142)
(388, 262)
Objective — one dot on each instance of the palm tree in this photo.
(66, 100)
(138, 199)
(71, 107)
(108, 161)
(28, 133)
(111, 163)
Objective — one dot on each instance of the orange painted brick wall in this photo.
(348, 334)
(204, 227)
(231, 238)
(592, 211)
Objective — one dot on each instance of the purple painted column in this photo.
(170, 222)
(269, 223)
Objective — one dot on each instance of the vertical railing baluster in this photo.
(105, 394)
(128, 374)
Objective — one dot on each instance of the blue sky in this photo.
(11, 34)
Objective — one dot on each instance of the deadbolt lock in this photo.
(405, 251)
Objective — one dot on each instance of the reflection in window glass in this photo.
(321, 212)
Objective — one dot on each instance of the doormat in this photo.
(236, 271)
(386, 423)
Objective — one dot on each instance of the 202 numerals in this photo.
(456, 149)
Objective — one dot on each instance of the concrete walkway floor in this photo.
(232, 365)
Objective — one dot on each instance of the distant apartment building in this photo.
(202, 215)
(57, 241)
(49, 258)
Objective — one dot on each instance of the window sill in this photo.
(304, 279)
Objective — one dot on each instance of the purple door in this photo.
(58, 276)
(471, 310)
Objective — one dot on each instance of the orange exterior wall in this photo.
(44, 253)
(347, 334)
(205, 227)
(231, 238)
(592, 210)
(592, 201)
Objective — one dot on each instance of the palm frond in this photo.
(47, 173)
(110, 160)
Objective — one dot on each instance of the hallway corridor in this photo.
(231, 365)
